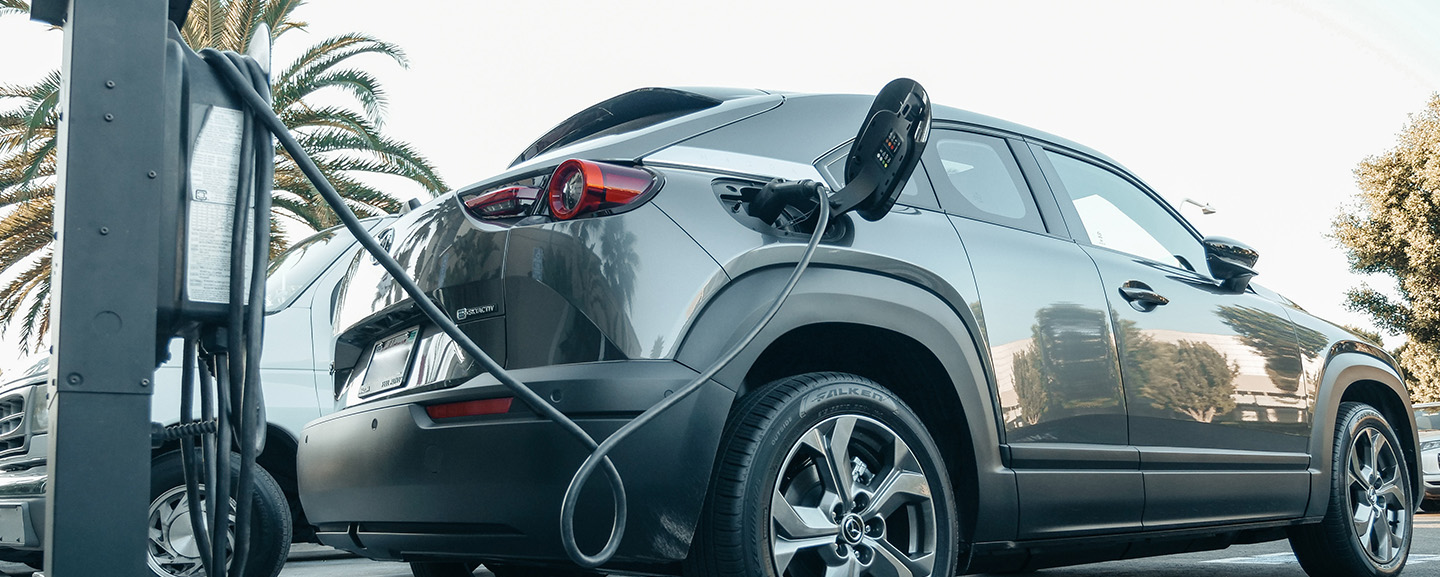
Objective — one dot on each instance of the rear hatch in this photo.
(459, 256)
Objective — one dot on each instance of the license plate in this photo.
(12, 525)
(388, 362)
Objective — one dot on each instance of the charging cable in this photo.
(232, 402)
(229, 66)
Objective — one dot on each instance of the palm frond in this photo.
(358, 83)
(39, 313)
(196, 30)
(396, 158)
(304, 120)
(345, 140)
(277, 16)
(33, 283)
(240, 23)
(326, 55)
(14, 7)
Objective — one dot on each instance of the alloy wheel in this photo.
(172, 547)
(1379, 505)
(852, 499)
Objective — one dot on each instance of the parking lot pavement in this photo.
(1261, 560)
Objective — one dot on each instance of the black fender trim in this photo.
(1348, 363)
(838, 295)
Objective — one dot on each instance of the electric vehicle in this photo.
(1030, 360)
(301, 285)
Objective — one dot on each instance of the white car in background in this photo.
(1427, 423)
(300, 296)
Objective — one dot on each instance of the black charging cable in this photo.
(232, 400)
(245, 87)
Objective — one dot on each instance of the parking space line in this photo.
(1288, 558)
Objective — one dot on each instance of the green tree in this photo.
(1190, 378)
(346, 142)
(1393, 230)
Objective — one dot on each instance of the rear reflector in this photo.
(470, 408)
(502, 203)
(580, 187)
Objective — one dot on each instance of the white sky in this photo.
(1260, 107)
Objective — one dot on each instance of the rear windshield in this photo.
(294, 270)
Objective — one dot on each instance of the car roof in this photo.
(746, 120)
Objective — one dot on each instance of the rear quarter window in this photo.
(977, 176)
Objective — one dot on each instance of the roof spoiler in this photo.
(628, 107)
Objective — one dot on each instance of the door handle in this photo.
(1141, 297)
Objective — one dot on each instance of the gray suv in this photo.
(1032, 360)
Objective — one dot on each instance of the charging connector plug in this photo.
(771, 201)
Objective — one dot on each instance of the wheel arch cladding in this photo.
(1358, 377)
(894, 332)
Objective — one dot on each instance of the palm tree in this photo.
(346, 142)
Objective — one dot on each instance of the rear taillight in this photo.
(470, 408)
(504, 202)
(581, 187)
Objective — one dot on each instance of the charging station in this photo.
(111, 154)
(158, 169)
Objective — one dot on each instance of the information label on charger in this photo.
(214, 172)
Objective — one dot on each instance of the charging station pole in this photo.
(111, 150)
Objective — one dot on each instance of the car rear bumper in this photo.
(386, 481)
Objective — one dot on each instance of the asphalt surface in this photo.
(1261, 560)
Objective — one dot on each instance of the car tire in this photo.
(787, 499)
(1430, 506)
(1369, 480)
(169, 553)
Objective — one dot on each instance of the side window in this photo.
(976, 176)
(1119, 215)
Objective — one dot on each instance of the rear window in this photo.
(977, 177)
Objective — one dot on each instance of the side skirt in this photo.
(1030, 555)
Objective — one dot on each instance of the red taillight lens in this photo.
(470, 408)
(581, 187)
(508, 201)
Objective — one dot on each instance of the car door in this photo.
(1217, 405)
(1043, 312)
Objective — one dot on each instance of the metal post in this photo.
(104, 284)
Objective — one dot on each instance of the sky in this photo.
(1260, 108)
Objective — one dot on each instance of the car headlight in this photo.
(39, 408)
(1430, 445)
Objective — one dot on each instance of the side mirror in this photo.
(1231, 262)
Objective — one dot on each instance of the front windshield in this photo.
(1427, 419)
(299, 266)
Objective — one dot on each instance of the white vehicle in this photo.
(1427, 422)
(299, 301)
